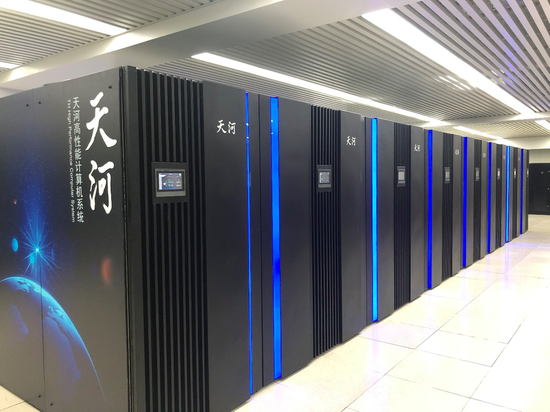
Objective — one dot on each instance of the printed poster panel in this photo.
(62, 244)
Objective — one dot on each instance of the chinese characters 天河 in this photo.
(230, 129)
(100, 176)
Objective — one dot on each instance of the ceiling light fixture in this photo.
(400, 28)
(543, 123)
(283, 78)
(489, 136)
(7, 65)
(61, 16)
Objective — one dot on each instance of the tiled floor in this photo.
(480, 342)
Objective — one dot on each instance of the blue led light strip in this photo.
(489, 201)
(277, 350)
(374, 154)
(430, 193)
(465, 202)
(249, 249)
(521, 197)
(507, 193)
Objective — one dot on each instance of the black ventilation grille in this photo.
(516, 188)
(447, 213)
(477, 199)
(498, 183)
(327, 295)
(170, 118)
(402, 217)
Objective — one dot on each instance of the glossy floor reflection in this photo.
(480, 342)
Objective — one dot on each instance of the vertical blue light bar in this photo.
(521, 197)
(277, 349)
(374, 154)
(249, 249)
(489, 201)
(430, 194)
(507, 193)
(465, 202)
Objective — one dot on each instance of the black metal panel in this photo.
(255, 240)
(437, 208)
(511, 195)
(226, 230)
(402, 216)
(418, 221)
(22, 354)
(457, 178)
(368, 215)
(264, 114)
(477, 200)
(517, 191)
(502, 196)
(353, 236)
(539, 188)
(469, 201)
(327, 288)
(174, 278)
(492, 207)
(527, 191)
(483, 194)
(385, 205)
(447, 207)
(295, 227)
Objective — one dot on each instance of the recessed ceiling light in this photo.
(471, 131)
(400, 28)
(543, 123)
(7, 65)
(61, 16)
(283, 78)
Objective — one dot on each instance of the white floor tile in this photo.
(460, 288)
(499, 330)
(369, 354)
(391, 394)
(466, 348)
(440, 372)
(402, 334)
(478, 406)
(7, 399)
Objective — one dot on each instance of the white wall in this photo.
(7, 92)
(539, 156)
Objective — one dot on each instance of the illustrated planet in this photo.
(61, 370)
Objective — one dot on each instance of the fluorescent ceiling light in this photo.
(400, 28)
(489, 136)
(61, 16)
(268, 74)
(543, 123)
(7, 65)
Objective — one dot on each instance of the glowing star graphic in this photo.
(39, 255)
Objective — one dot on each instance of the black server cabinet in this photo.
(385, 170)
(353, 185)
(484, 199)
(526, 197)
(134, 201)
(435, 179)
(448, 206)
(468, 212)
(516, 197)
(477, 200)
(286, 226)
(327, 263)
(492, 193)
(418, 218)
(402, 215)
(189, 257)
(511, 195)
(458, 202)
(503, 158)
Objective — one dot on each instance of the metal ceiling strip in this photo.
(456, 15)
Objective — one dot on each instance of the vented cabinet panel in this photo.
(418, 220)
